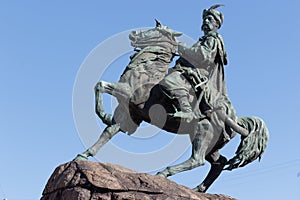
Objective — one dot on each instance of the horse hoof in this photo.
(161, 175)
(81, 157)
(201, 188)
(164, 173)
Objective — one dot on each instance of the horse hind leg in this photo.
(106, 135)
(200, 144)
(217, 162)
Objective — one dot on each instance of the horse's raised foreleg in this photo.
(106, 135)
(217, 162)
(119, 90)
(202, 139)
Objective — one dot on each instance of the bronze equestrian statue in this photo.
(191, 99)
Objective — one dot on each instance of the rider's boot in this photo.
(186, 112)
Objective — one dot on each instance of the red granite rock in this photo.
(86, 180)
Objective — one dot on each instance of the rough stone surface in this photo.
(84, 180)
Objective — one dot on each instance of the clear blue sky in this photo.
(44, 43)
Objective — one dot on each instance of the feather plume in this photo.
(158, 24)
(216, 6)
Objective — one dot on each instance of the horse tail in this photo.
(252, 146)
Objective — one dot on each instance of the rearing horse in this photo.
(141, 99)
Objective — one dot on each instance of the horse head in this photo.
(160, 35)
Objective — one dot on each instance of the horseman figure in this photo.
(200, 71)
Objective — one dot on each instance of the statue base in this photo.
(93, 180)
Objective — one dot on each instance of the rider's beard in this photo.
(206, 28)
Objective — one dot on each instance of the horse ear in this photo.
(158, 24)
(177, 34)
